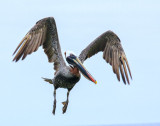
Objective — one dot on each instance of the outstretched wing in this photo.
(43, 33)
(113, 53)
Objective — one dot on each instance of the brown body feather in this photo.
(75, 71)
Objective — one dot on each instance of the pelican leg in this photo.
(54, 105)
(65, 103)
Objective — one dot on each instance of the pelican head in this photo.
(73, 60)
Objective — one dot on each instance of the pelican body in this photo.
(66, 78)
(44, 34)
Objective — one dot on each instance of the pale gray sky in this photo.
(27, 100)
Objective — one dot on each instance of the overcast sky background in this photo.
(25, 99)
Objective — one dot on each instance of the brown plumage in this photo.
(75, 71)
(113, 53)
(44, 34)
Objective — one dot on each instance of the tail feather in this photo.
(48, 80)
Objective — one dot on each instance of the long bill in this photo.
(83, 70)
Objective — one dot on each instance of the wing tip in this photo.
(44, 19)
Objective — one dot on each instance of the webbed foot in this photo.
(65, 106)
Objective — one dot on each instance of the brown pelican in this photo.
(45, 33)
